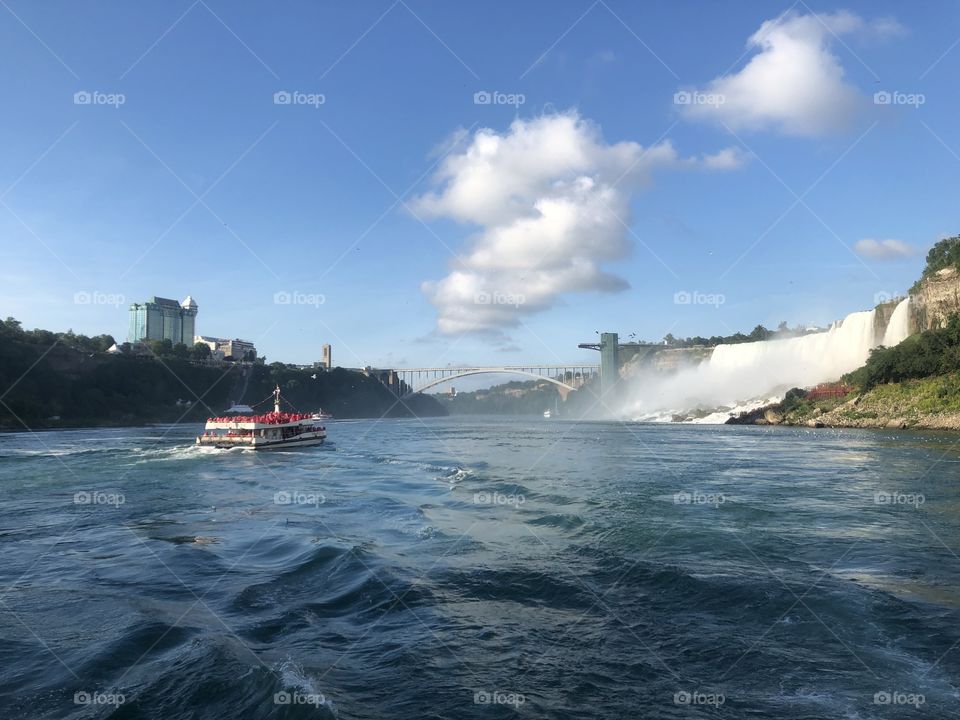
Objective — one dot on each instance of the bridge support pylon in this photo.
(609, 363)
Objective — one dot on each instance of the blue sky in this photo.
(800, 204)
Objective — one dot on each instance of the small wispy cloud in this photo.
(884, 249)
(603, 57)
(729, 158)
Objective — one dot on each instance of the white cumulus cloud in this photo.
(794, 82)
(884, 249)
(550, 200)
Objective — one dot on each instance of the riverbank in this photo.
(59, 386)
(929, 404)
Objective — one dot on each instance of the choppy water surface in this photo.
(461, 568)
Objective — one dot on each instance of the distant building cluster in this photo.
(165, 319)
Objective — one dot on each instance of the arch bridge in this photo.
(567, 377)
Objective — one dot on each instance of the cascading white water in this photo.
(899, 326)
(739, 374)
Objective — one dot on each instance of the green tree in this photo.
(161, 348)
(11, 328)
(200, 351)
(759, 333)
(102, 343)
(933, 352)
(946, 253)
(40, 337)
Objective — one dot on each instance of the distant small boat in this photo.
(546, 414)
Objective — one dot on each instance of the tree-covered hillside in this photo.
(530, 397)
(62, 379)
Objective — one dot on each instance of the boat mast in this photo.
(276, 399)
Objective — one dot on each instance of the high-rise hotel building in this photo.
(163, 319)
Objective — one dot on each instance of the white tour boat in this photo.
(264, 432)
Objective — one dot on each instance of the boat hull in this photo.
(307, 442)
(261, 444)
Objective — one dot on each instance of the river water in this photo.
(481, 568)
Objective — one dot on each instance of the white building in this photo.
(221, 348)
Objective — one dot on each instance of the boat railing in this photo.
(272, 418)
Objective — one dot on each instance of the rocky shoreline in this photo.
(928, 404)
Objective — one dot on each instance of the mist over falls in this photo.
(748, 374)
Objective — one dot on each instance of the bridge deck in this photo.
(507, 368)
(420, 379)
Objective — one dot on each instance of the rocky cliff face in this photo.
(937, 300)
(665, 359)
(676, 358)
(881, 318)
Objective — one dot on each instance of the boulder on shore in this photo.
(757, 416)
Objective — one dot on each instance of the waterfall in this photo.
(737, 374)
(899, 326)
